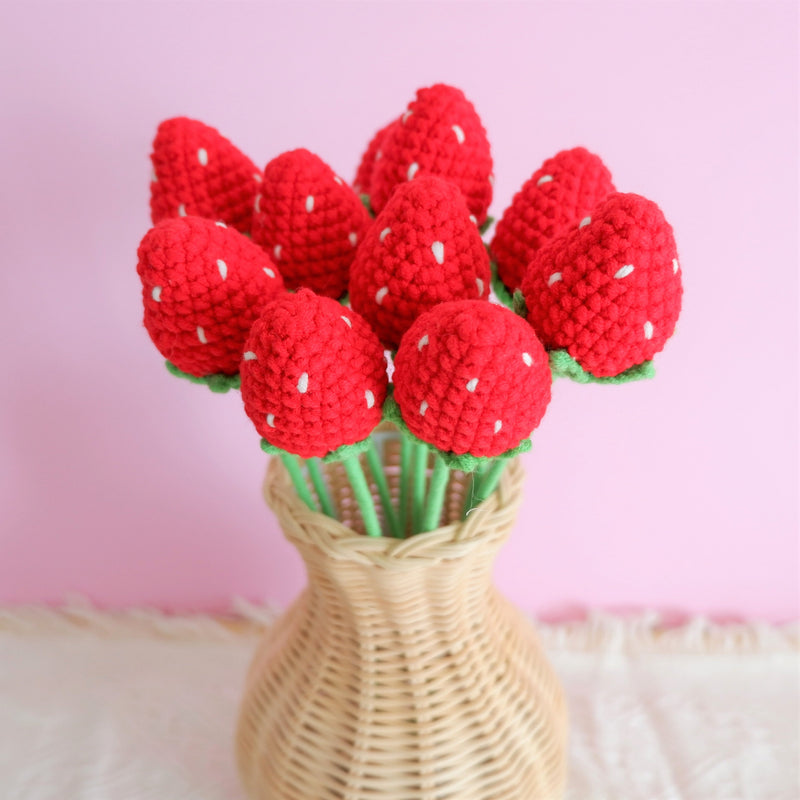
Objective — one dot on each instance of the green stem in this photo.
(418, 486)
(296, 474)
(376, 467)
(489, 480)
(318, 479)
(362, 495)
(436, 493)
(406, 449)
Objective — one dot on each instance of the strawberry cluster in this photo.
(291, 283)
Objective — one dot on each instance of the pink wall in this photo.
(121, 483)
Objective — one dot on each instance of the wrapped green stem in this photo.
(406, 449)
(376, 467)
(419, 476)
(298, 479)
(488, 481)
(436, 495)
(320, 487)
(362, 494)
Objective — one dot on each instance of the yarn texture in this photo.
(363, 180)
(423, 249)
(561, 193)
(609, 292)
(203, 286)
(313, 375)
(471, 377)
(198, 172)
(439, 134)
(310, 221)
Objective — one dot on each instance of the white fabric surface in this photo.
(95, 707)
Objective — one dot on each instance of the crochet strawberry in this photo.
(471, 378)
(198, 172)
(610, 291)
(439, 134)
(561, 193)
(203, 286)
(310, 221)
(373, 153)
(422, 250)
(313, 375)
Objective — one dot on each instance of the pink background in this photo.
(130, 487)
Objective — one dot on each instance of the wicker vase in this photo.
(400, 672)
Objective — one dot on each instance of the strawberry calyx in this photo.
(563, 365)
(342, 453)
(218, 383)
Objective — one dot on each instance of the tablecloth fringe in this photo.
(598, 631)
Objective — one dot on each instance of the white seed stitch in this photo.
(675, 266)
(423, 407)
(480, 286)
(498, 426)
(648, 330)
(438, 252)
(526, 357)
(412, 171)
(379, 155)
(153, 176)
(422, 342)
(472, 385)
(491, 179)
(257, 177)
(347, 321)
(370, 398)
(201, 335)
(223, 268)
(249, 356)
(302, 383)
(544, 179)
(257, 204)
(380, 294)
(270, 272)
(384, 233)
(623, 272)
(310, 203)
(220, 224)
(406, 115)
(473, 219)
(202, 156)
(271, 420)
(338, 180)
(156, 294)
(181, 210)
(276, 251)
(459, 132)
(353, 238)
(554, 278)
(584, 222)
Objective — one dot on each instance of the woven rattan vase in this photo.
(400, 673)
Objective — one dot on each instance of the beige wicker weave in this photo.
(400, 673)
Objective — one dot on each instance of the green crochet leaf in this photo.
(339, 454)
(365, 201)
(486, 225)
(500, 289)
(217, 383)
(465, 462)
(563, 365)
(518, 304)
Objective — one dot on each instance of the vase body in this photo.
(400, 672)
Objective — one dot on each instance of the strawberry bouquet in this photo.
(335, 309)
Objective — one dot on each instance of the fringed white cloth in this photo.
(139, 705)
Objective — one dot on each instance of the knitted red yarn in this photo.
(563, 191)
(422, 250)
(313, 375)
(439, 134)
(373, 153)
(198, 172)
(203, 286)
(471, 377)
(310, 221)
(610, 291)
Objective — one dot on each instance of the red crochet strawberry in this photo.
(313, 375)
(198, 172)
(203, 286)
(440, 134)
(561, 193)
(471, 377)
(310, 221)
(609, 292)
(373, 153)
(422, 250)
